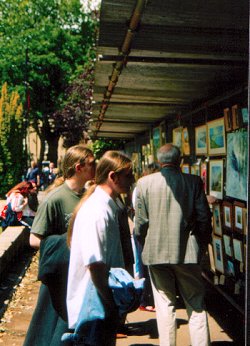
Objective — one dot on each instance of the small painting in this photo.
(216, 178)
(238, 216)
(227, 209)
(216, 137)
(230, 270)
(218, 254)
(244, 115)
(201, 140)
(217, 219)
(237, 246)
(185, 168)
(185, 141)
(177, 137)
(227, 245)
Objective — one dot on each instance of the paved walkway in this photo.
(141, 324)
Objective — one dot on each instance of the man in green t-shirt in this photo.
(57, 207)
(48, 230)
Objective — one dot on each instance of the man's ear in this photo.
(112, 176)
(78, 167)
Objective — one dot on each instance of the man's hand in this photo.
(99, 275)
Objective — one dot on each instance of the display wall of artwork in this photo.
(216, 137)
(227, 212)
(236, 166)
(201, 140)
(216, 178)
(218, 254)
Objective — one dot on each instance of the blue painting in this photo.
(237, 158)
(216, 137)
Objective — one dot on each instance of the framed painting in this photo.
(238, 216)
(227, 212)
(185, 141)
(236, 164)
(216, 137)
(244, 215)
(218, 254)
(216, 178)
(185, 168)
(238, 250)
(163, 132)
(177, 137)
(227, 245)
(245, 116)
(228, 119)
(217, 228)
(236, 117)
(156, 139)
(230, 270)
(204, 175)
(211, 257)
(195, 169)
(201, 140)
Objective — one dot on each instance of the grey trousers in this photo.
(187, 277)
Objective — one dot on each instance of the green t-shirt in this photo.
(55, 211)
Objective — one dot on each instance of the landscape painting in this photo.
(216, 137)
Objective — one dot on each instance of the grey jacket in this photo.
(172, 217)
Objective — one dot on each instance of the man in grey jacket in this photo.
(173, 224)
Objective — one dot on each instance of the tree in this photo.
(101, 145)
(11, 151)
(44, 45)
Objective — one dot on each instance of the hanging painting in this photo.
(216, 178)
(216, 137)
(201, 140)
(236, 172)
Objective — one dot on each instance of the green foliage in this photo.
(100, 146)
(44, 45)
(11, 139)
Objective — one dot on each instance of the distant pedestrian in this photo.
(173, 225)
(34, 174)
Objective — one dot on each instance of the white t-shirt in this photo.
(96, 238)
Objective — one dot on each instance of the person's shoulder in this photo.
(148, 178)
